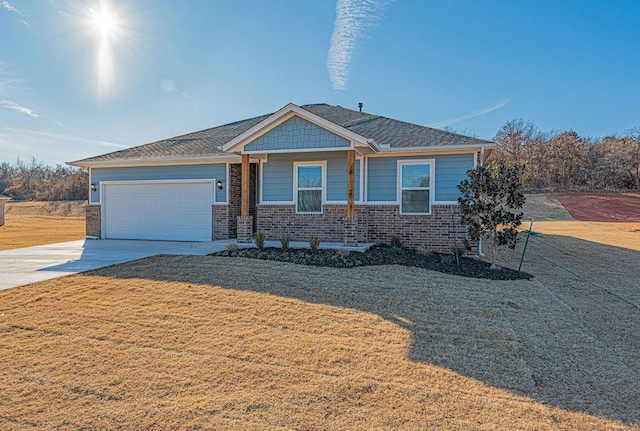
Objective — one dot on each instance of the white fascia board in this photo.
(297, 151)
(157, 162)
(283, 115)
(448, 149)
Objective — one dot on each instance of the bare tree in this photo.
(513, 137)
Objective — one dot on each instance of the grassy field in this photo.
(203, 343)
(37, 223)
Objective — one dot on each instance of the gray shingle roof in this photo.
(206, 143)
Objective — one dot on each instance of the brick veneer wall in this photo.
(275, 220)
(221, 222)
(235, 195)
(93, 220)
(436, 230)
(375, 223)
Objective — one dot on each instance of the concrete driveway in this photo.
(31, 264)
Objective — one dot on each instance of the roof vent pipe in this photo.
(360, 106)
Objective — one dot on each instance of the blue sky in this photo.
(70, 88)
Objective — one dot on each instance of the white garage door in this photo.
(158, 211)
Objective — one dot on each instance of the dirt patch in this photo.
(602, 207)
(546, 212)
(36, 223)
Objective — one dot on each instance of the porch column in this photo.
(245, 221)
(244, 210)
(351, 162)
(350, 233)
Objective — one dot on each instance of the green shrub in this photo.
(398, 251)
(260, 237)
(284, 241)
(314, 244)
(424, 250)
(396, 242)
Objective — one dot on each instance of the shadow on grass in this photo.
(570, 337)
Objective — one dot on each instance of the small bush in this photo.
(458, 251)
(342, 252)
(260, 237)
(398, 251)
(396, 242)
(314, 244)
(232, 246)
(284, 241)
(424, 250)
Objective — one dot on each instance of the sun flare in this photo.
(105, 26)
(104, 22)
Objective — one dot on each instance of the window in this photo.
(415, 187)
(308, 186)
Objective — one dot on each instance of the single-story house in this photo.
(3, 199)
(313, 170)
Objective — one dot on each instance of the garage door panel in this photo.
(165, 211)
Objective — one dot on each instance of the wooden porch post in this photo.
(351, 161)
(244, 210)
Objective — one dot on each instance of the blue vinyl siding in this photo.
(296, 134)
(186, 172)
(277, 175)
(449, 170)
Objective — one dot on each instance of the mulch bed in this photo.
(381, 255)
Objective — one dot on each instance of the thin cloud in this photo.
(475, 114)
(10, 104)
(70, 138)
(8, 6)
(353, 19)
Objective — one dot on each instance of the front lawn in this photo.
(203, 342)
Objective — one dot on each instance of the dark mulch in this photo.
(381, 255)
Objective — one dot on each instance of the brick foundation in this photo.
(437, 230)
(373, 223)
(276, 220)
(245, 229)
(350, 232)
(93, 220)
(221, 222)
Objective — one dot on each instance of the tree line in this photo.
(567, 160)
(34, 180)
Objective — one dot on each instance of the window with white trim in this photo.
(309, 187)
(415, 187)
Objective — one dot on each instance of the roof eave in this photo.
(223, 158)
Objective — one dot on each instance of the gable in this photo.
(296, 134)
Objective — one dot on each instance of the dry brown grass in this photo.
(204, 343)
(36, 223)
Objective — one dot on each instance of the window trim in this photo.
(431, 188)
(323, 166)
